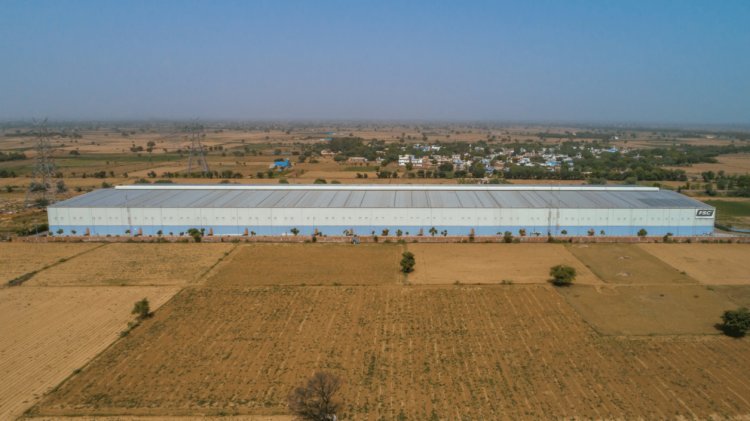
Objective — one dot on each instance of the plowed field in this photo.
(135, 264)
(492, 263)
(309, 264)
(489, 352)
(649, 309)
(627, 264)
(724, 264)
(46, 333)
(17, 259)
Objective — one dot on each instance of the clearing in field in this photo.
(136, 264)
(487, 352)
(46, 333)
(492, 263)
(722, 264)
(309, 264)
(18, 259)
(627, 264)
(649, 309)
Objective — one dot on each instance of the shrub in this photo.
(736, 323)
(562, 275)
(142, 309)
(507, 237)
(642, 232)
(407, 262)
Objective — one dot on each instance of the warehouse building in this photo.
(364, 209)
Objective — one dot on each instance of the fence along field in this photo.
(46, 333)
(478, 352)
(136, 264)
(492, 263)
(309, 264)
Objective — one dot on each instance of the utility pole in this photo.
(41, 191)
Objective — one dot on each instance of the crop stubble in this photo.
(479, 352)
(492, 263)
(135, 264)
(46, 333)
(309, 264)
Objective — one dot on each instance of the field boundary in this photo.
(19, 280)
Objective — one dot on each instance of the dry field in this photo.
(649, 309)
(490, 352)
(309, 264)
(730, 163)
(18, 259)
(627, 264)
(46, 333)
(720, 264)
(135, 264)
(492, 263)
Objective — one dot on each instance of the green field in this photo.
(732, 213)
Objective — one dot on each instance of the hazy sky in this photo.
(599, 61)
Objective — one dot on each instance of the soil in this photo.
(492, 263)
(649, 309)
(135, 264)
(47, 333)
(310, 264)
(479, 352)
(627, 264)
(715, 264)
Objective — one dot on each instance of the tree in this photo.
(642, 232)
(142, 309)
(407, 262)
(315, 401)
(294, 231)
(196, 234)
(736, 322)
(562, 275)
(433, 231)
(507, 237)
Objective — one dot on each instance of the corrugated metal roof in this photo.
(342, 196)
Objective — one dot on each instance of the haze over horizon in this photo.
(679, 62)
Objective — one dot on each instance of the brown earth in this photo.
(649, 309)
(627, 264)
(17, 259)
(490, 352)
(492, 263)
(727, 264)
(135, 264)
(738, 294)
(309, 264)
(46, 333)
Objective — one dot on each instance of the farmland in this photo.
(309, 264)
(251, 321)
(448, 352)
(135, 264)
(492, 263)
(627, 264)
(21, 259)
(46, 333)
(725, 264)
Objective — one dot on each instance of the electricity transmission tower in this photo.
(197, 157)
(41, 190)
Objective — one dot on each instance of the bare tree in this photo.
(315, 401)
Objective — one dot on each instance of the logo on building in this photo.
(704, 213)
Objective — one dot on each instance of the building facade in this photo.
(366, 209)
